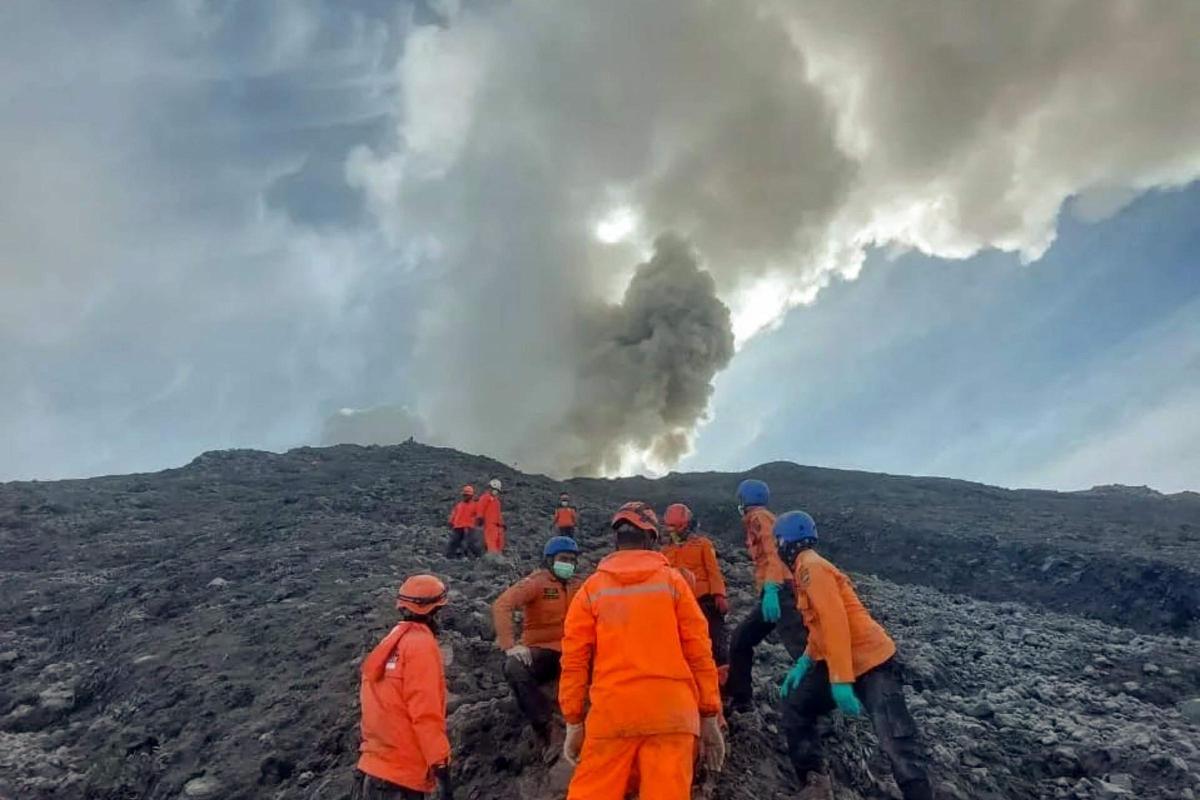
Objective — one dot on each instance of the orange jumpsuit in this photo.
(544, 600)
(840, 630)
(697, 555)
(403, 696)
(487, 511)
(759, 524)
(566, 518)
(636, 628)
(463, 515)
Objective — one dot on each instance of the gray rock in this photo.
(1191, 710)
(204, 786)
(218, 583)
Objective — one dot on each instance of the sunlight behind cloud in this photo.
(616, 226)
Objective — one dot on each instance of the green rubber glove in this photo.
(795, 675)
(846, 699)
(770, 602)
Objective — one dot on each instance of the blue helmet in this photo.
(751, 492)
(559, 544)
(795, 526)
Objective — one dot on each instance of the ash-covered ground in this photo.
(197, 632)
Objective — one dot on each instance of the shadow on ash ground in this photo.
(197, 632)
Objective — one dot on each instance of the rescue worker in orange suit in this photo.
(849, 664)
(694, 554)
(462, 526)
(489, 517)
(405, 751)
(776, 606)
(566, 517)
(543, 597)
(636, 646)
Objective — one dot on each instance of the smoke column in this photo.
(541, 149)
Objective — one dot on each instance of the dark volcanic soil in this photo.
(197, 632)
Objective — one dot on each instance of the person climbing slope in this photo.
(405, 751)
(566, 517)
(849, 664)
(693, 554)
(636, 645)
(775, 609)
(489, 517)
(543, 597)
(462, 526)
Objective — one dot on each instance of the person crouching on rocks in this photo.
(543, 597)
(775, 610)
(405, 751)
(849, 664)
(463, 538)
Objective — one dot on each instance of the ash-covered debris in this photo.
(197, 633)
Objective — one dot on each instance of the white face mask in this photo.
(563, 570)
(741, 510)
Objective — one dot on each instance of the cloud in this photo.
(165, 284)
(320, 204)
(379, 425)
(782, 140)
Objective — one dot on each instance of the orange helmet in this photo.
(468, 491)
(638, 514)
(678, 517)
(421, 594)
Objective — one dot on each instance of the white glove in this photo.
(520, 653)
(573, 743)
(712, 743)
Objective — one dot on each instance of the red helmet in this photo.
(678, 517)
(638, 514)
(421, 594)
(468, 491)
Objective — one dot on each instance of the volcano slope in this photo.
(197, 632)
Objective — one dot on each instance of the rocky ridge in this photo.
(197, 632)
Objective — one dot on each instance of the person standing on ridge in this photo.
(405, 751)
(636, 645)
(849, 664)
(489, 517)
(462, 526)
(693, 553)
(776, 605)
(566, 517)
(543, 598)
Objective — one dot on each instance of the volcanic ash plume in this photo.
(783, 140)
(645, 380)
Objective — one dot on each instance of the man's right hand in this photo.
(520, 653)
(573, 743)
(712, 743)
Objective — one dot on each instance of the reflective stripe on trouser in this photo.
(664, 766)
(526, 683)
(749, 634)
(881, 691)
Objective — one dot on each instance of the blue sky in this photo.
(269, 223)
(1079, 369)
